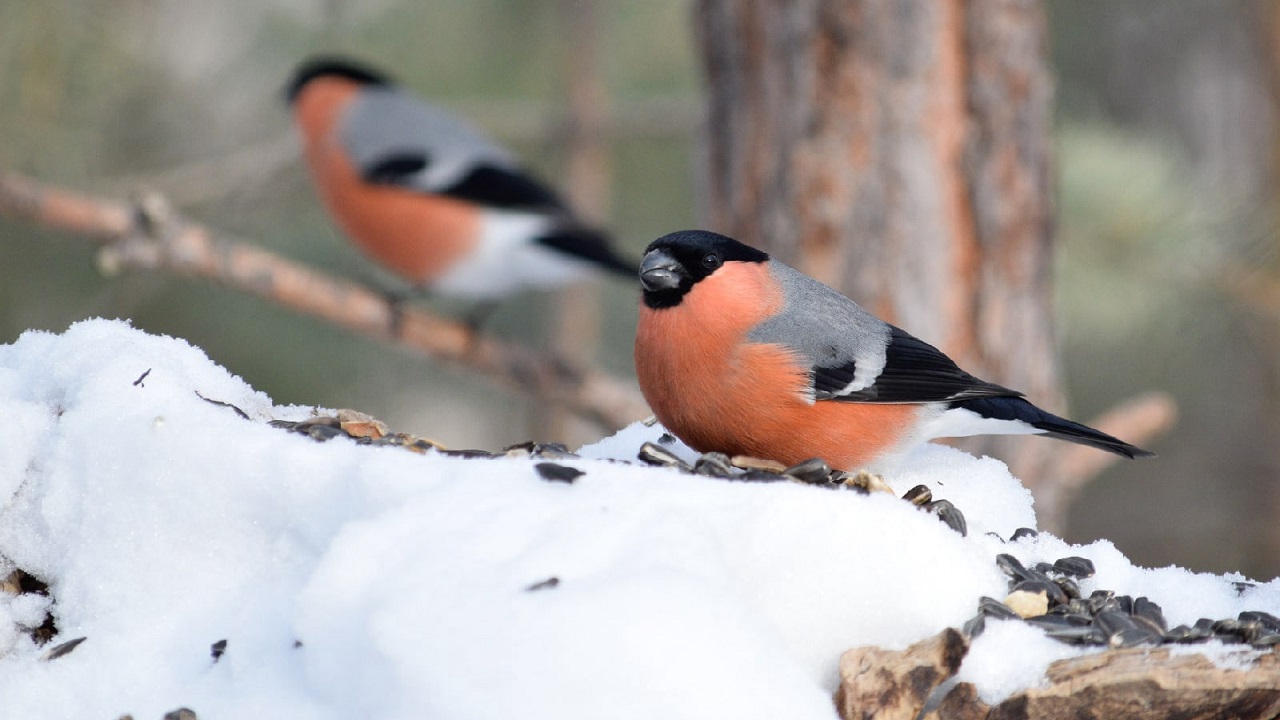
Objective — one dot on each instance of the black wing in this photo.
(503, 188)
(485, 185)
(590, 245)
(396, 169)
(914, 372)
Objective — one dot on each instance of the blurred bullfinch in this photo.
(431, 199)
(741, 354)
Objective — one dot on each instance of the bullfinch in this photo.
(430, 198)
(739, 353)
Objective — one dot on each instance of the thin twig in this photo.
(149, 236)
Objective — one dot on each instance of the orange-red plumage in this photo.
(412, 234)
(718, 391)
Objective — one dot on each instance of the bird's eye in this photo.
(711, 261)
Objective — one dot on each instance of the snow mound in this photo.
(352, 581)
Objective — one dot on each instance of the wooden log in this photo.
(1154, 683)
(896, 684)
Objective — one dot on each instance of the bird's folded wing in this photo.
(914, 372)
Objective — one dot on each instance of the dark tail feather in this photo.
(1016, 408)
(593, 246)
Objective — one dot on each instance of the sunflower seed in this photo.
(918, 495)
(1144, 608)
(660, 456)
(61, 649)
(1022, 533)
(948, 514)
(548, 584)
(975, 626)
(713, 464)
(993, 608)
(747, 462)
(1013, 567)
(1076, 567)
(814, 471)
(554, 472)
(1051, 591)
(1269, 621)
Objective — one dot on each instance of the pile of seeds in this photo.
(810, 472)
(1045, 595)
(1048, 597)
(367, 430)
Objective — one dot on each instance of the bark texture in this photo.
(899, 150)
(1140, 683)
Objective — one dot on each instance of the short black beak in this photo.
(660, 271)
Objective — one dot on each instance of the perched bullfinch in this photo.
(741, 354)
(430, 198)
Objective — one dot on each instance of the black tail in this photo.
(591, 245)
(1018, 409)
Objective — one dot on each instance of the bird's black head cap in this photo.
(674, 263)
(332, 66)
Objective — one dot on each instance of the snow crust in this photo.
(362, 582)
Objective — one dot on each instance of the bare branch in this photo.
(149, 236)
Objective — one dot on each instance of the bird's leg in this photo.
(476, 319)
(396, 301)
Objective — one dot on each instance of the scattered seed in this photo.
(975, 626)
(1050, 590)
(1133, 637)
(1112, 622)
(554, 472)
(219, 403)
(948, 514)
(760, 476)
(1144, 608)
(1126, 604)
(359, 425)
(181, 714)
(993, 608)
(548, 584)
(469, 454)
(1013, 567)
(814, 471)
(1058, 622)
(713, 464)
(1069, 587)
(325, 432)
(919, 495)
(666, 439)
(1078, 635)
(61, 649)
(654, 454)
(217, 649)
(1266, 641)
(143, 376)
(1076, 567)
(862, 480)
(747, 462)
(1269, 621)
(1027, 604)
(1023, 533)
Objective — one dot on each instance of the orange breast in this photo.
(718, 393)
(414, 235)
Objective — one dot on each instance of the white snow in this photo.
(362, 582)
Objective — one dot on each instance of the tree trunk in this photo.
(899, 150)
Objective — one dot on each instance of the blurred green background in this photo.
(1166, 140)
